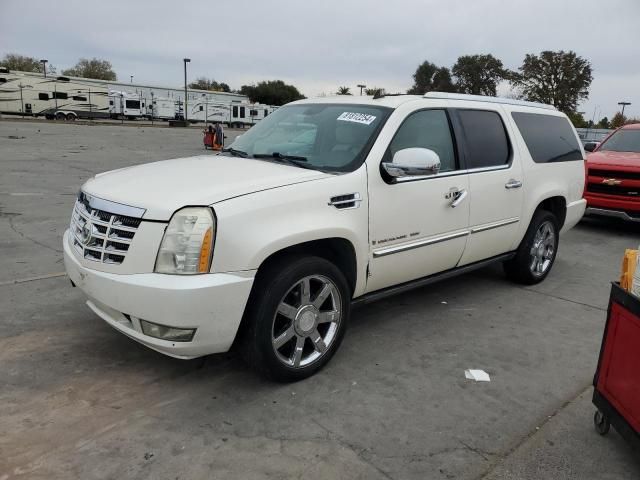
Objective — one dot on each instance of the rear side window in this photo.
(549, 138)
(487, 144)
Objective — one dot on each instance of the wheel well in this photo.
(338, 251)
(557, 206)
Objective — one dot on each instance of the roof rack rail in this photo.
(482, 98)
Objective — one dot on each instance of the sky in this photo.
(320, 45)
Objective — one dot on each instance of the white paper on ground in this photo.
(477, 375)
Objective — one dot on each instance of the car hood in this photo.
(163, 187)
(624, 160)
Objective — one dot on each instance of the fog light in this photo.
(167, 333)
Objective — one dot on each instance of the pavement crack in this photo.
(26, 237)
(359, 451)
(557, 297)
(475, 450)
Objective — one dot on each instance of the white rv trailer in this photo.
(162, 108)
(63, 98)
(126, 104)
(232, 114)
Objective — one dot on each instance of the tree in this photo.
(344, 91)
(578, 120)
(375, 91)
(93, 68)
(559, 78)
(429, 77)
(272, 92)
(204, 83)
(618, 120)
(478, 74)
(13, 61)
(604, 123)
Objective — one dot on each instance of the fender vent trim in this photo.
(346, 201)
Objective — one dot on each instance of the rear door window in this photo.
(486, 141)
(549, 138)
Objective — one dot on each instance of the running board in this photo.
(421, 282)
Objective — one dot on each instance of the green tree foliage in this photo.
(374, 91)
(272, 92)
(429, 77)
(204, 83)
(92, 68)
(578, 120)
(618, 120)
(344, 91)
(559, 78)
(22, 63)
(478, 74)
(604, 123)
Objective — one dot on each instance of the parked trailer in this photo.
(162, 108)
(231, 114)
(126, 104)
(62, 98)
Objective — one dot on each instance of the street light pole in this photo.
(131, 78)
(44, 66)
(21, 100)
(361, 88)
(186, 60)
(206, 109)
(624, 104)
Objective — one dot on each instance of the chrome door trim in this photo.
(383, 252)
(491, 226)
(111, 207)
(453, 173)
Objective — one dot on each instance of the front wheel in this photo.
(537, 251)
(297, 318)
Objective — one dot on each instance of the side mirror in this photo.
(590, 146)
(413, 162)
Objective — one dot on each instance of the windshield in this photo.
(331, 137)
(622, 141)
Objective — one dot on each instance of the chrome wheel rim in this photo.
(543, 249)
(306, 322)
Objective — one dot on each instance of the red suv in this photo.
(613, 182)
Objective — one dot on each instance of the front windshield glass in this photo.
(331, 137)
(622, 141)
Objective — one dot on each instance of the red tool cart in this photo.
(617, 381)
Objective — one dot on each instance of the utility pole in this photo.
(624, 104)
(44, 66)
(185, 60)
(361, 87)
(21, 100)
(131, 78)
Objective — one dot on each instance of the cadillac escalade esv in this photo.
(323, 204)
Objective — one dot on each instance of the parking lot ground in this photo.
(79, 400)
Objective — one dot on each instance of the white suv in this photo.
(323, 204)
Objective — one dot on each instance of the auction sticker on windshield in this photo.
(357, 118)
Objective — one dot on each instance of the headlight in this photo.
(187, 244)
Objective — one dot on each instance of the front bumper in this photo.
(622, 215)
(211, 303)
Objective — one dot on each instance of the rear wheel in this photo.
(297, 318)
(537, 251)
(71, 117)
(60, 116)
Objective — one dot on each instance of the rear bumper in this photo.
(604, 212)
(213, 304)
(575, 212)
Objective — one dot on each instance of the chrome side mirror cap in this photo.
(413, 162)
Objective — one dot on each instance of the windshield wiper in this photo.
(236, 153)
(293, 160)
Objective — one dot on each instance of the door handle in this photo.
(458, 197)
(512, 183)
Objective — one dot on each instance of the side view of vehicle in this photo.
(613, 188)
(323, 204)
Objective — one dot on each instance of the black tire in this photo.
(273, 287)
(521, 269)
(61, 116)
(601, 422)
(71, 117)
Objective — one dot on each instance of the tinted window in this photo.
(79, 98)
(487, 144)
(426, 129)
(235, 111)
(60, 95)
(241, 112)
(623, 141)
(43, 96)
(548, 138)
(132, 103)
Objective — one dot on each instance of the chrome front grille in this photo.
(99, 235)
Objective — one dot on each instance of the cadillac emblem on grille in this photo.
(85, 233)
(611, 181)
